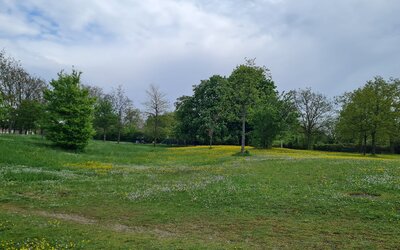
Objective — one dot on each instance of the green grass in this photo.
(131, 196)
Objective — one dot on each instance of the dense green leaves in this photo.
(211, 104)
(371, 112)
(273, 116)
(104, 115)
(29, 115)
(248, 84)
(69, 112)
(186, 115)
(245, 102)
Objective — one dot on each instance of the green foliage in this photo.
(211, 105)
(248, 84)
(272, 117)
(186, 127)
(370, 112)
(3, 110)
(29, 115)
(104, 115)
(165, 127)
(69, 112)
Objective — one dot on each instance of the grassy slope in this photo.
(134, 196)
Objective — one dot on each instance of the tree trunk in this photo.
(210, 134)
(243, 132)
(10, 127)
(119, 135)
(104, 134)
(391, 145)
(365, 144)
(373, 141)
(155, 131)
(119, 125)
(308, 140)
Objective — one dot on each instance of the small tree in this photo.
(69, 112)
(156, 106)
(104, 115)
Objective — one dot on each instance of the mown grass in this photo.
(131, 196)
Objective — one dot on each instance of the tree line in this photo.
(244, 108)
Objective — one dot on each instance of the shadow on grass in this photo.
(245, 153)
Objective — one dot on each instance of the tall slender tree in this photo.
(104, 115)
(247, 83)
(121, 103)
(156, 105)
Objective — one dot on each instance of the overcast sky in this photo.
(330, 46)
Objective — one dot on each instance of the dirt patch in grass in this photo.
(67, 217)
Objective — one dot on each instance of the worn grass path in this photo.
(130, 196)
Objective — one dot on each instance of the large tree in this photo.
(156, 105)
(69, 112)
(315, 111)
(248, 82)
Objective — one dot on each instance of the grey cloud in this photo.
(332, 46)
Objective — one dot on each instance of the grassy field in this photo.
(130, 196)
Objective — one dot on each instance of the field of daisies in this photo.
(125, 196)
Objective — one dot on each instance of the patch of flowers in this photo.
(53, 223)
(98, 167)
(175, 187)
(41, 244)
(17, 172)
(382, 179)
